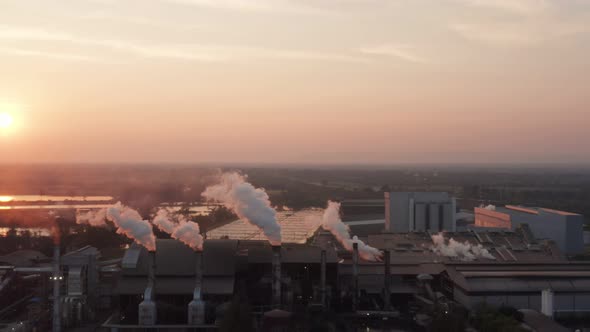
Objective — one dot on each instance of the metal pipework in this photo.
(387, 280)
(276, 276)
(355, 275)
(323, 278)
(152, 272)
(147, 308)
(56, 290)
(196, 308)
(198, 267)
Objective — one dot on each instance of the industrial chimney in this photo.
(147, 308)
(355, 276)
(387, 280)
(276, 276)
(323, 277)
(56, 289)
(196, 308)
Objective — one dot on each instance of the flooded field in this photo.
(50, 198)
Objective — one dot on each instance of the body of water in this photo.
(51, 198)
(34, 230)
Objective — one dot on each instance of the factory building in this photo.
(419, 212)
(517, 277)
(565, 228)
(295, 277)
(224, 269)
(176, 288)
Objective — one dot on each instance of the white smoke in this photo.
(247, 202)
(463, 251)
(94, 218)
(187, 232)
(331, 222)
(130, 223)
(490, 207)
(164, 221)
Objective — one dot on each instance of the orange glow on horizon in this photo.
(6, 199)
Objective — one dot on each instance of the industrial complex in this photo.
(512, 256)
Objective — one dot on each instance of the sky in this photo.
(295, 81)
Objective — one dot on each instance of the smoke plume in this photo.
(94, 218)
(130, 223)
(331, 222)
(490, 207)
(463, 251)
(183, 230)
(247, 202)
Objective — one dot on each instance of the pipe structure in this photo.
(387, 280)
(56, 290)
(147, 308)
(196, 308)
(198, 268)
(152, 273)
(323, 278)
(355, 275)
(276, 276)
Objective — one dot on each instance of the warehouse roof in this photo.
(261, 252)
(296, 227)
(23, 258)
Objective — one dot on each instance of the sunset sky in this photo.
(303, 81)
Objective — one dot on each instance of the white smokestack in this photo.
(249, 203)
(93, 218)
(130, 223)
(331, 222)
(186, 231)
(463, 251)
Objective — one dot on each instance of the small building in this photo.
(419, 212)
(565, 228)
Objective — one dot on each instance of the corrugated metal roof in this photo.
(168, 286)
(296, 227)
(219, 257)
(259, 252)
(218, 285)
(526, 284)
(174, 258)
(177, 286)
(22, 258)
(478, 274)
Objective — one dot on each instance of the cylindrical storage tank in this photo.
(547, 302)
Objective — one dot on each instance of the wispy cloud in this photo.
(518, 33)
(285, 6)
(234, 4)
(176, 51)
(51, 55)
(135, 20)
(404, 52)
(522, 7)
(530, 22)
